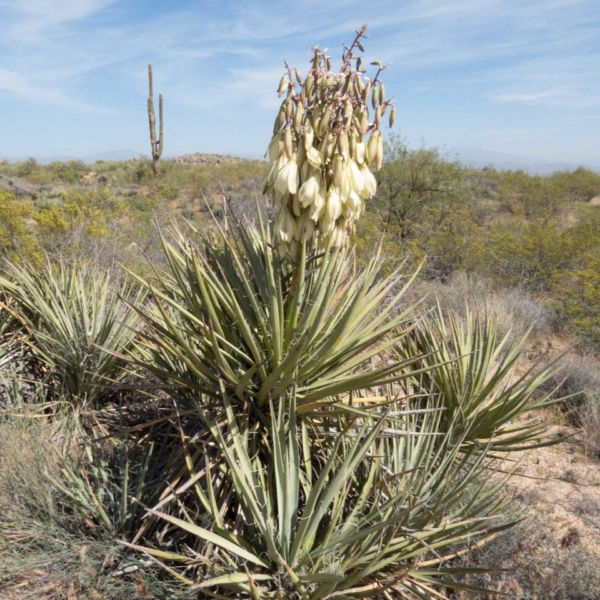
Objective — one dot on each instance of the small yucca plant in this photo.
(73, 321)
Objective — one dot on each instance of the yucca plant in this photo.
(72, 318)
(108, 480)
(312, 485)
(472, 369)
(342, 447)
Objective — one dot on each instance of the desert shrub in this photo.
(74, 323)
(26, 168)
(513, 311)
(581, 300)
(16, 241)
(455, 243)
(69, 172)
(537, 566)
(578, 381)
(580, 185)
(424, 207)
(532, 255)
(530, 196)
(414, 182)
(89, 225)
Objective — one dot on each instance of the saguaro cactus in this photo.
(157, 145)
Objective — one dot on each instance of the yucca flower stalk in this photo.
(324, 141)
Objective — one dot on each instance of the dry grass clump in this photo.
(538, 567)
(51, 546)
(513, 310)
(578, 380)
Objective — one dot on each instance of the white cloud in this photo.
(23, 88)
(33, 15)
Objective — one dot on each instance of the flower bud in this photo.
(378, 117)
(364, 121)
(309, 135)
(375, 97)
(367, 91)
(379, 160)
(308, 84)
(352, 145)
(283, 84)
(298, 117)
(288, 141)
(338, 170)
(372, 147)
(334, 204)
(309, 191)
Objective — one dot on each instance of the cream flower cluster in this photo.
(323, 144)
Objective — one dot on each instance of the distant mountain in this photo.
(90, 159)
(480, 157)
(472, 156)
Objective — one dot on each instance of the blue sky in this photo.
(516, 76)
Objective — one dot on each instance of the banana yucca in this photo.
(341, 448)
(71, 320)
(339, 445)
(323, 143)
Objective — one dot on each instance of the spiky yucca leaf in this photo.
(335, 509)
(232, 311)
(472, 371)
(74, 322)
(9, 327)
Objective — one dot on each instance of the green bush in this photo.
(531, 255)
(581, 293)
(16, 240)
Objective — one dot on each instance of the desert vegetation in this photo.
(310, 377)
